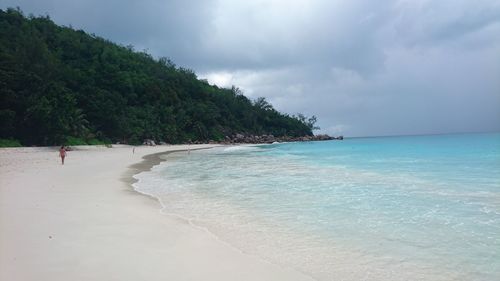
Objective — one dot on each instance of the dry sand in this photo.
(83, 221)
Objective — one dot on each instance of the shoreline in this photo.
(149, 161)
(152, 160)
(342, 256)
(81, 221)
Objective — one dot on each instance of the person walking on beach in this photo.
(62, 154)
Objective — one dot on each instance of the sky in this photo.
(364, 68)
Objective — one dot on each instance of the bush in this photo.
(71, 141)
(96, 142)
(9, 143)
(75, 141)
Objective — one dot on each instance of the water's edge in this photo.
(150, 161)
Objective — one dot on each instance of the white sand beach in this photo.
(83, 221)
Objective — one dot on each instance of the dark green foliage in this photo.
(74, 141)
(309, 122)
(59, 85)
(9, 143)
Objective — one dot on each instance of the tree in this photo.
(263, 104)
(310, 122)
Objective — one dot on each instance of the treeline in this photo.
(58, 84)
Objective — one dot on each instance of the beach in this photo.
(84, 221)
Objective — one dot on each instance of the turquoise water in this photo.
(388, 208)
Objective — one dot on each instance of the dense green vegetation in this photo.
(62, 85)
(9, 143)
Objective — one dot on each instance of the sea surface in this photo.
(385, 208)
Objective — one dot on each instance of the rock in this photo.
(149, 142)
(255, 139)
(322, 137)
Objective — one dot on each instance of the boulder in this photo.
(149, 142)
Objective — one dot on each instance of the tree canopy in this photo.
(58, 83)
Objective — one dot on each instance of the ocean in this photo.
(382, 208)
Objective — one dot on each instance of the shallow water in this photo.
(392, 208)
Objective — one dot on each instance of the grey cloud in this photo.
(437, 22)
(326, 34)
(363, 67)
(230, 35)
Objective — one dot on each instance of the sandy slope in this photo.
(82, 221)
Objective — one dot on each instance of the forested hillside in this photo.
(58, 84)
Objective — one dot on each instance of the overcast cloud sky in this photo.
(363, 68)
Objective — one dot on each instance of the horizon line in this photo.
(424, 134)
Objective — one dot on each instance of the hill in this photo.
(60, 85)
